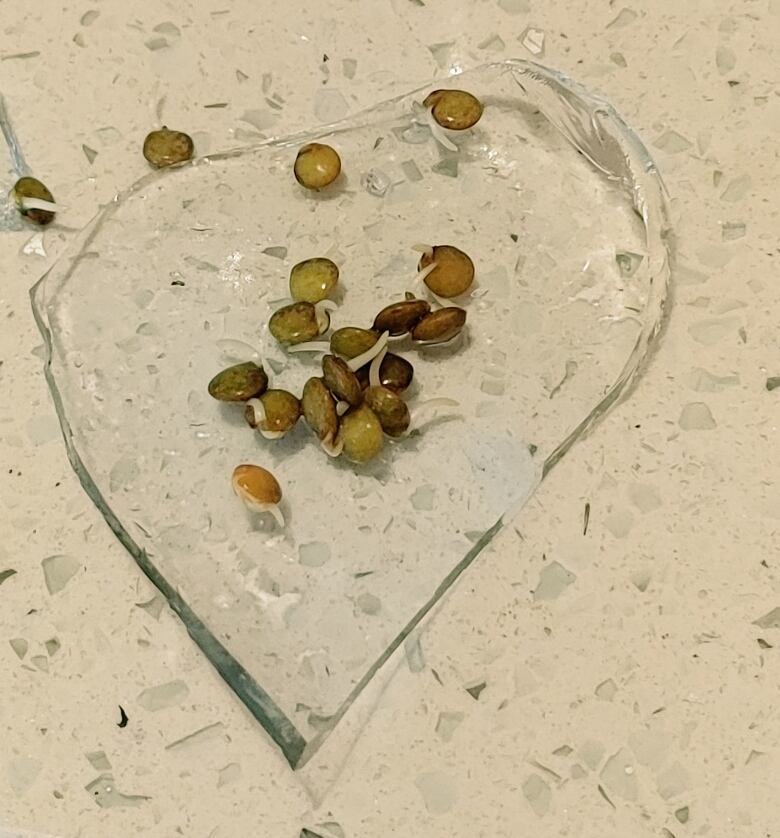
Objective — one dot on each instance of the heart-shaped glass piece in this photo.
(560, 208)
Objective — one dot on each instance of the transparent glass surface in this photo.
(562, 211)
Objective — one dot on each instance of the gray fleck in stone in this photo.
(725, 59)
(624, 18)
(696, 416)
(618, 775)
(591, 753)
(673, 781)
(40, 662)
(6, 574)
(538, 794)
(438, 791)
(422, 498)
(277, 252)
(475, 691)
(703, 381)
(553, 581)
(163, 695)
(58, 571)
(606, 690)
(22, 772)
(672, 143)
(330, 105)
(259, 118)
(682, 814)
(644, 497)
(447, 166)
(123, 474)
(514, 7)
(153, 607)
(737, 188)
(314, 554)
(349, 68)
(441, 53)
(20, 646)
(411, 171)
(154, 44)
(769, 620)
(229, 774)
(98, 760)
(447, 724)
(369, 604)
(415, 659)
(168, 29)
(104, 792)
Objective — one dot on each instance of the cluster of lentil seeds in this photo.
(358, 399)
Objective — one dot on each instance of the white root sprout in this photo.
(311, 346)
(439, 133)
(441, 343)
(341, 408)
(426, 289)
(331, 448)
(365, 357)
(428, 269)
(259, 416)
(322, 313)
(425, 249)
(374, 378)
(270, 508)
(37, 204)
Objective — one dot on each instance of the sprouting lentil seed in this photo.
(256, 485)
(319, 409)
(390, 409)
(361, 434)
(282, 410)
(351, 341)
(295, 323)
(313, 280)
(395, 373)
(454, 271)
(440, 326)
(400, 318)
(166, 148)
(454, 109)
(317, 165)
(341, 381)
(239, 383)
(30, 187)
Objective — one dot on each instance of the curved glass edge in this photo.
(255, 698)
(578, 115)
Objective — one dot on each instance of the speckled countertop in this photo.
(643, 699)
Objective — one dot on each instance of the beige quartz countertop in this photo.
(641, 701)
